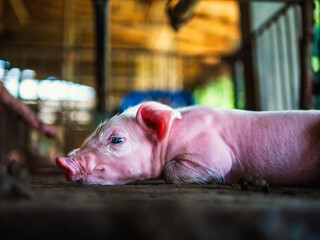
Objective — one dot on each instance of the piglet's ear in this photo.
(157, 119)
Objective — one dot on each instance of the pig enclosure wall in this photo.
(275, 59)
(276, 46)
(129, 70)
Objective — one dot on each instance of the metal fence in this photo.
(276, 65)
(276, 48)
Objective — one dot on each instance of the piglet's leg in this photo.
(182, 170)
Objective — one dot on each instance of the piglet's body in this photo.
(198, 144)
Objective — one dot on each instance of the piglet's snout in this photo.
(66, 168)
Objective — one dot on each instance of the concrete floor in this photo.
(155, 210)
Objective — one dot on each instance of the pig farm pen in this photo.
(40, 203)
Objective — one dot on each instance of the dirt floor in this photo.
(155, 210)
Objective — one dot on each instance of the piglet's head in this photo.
(121, 149)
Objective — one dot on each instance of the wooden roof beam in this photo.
(181, 13)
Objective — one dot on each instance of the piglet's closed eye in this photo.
(156, 119)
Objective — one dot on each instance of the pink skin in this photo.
(198, 144)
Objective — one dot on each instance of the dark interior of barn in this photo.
(67, 66)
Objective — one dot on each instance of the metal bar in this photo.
(271, 20)
(285, 80)
(277, 79)
(282, 63)
(261, 72)
(273, 96)
(101, 21)
(306, 75)
(297, 33)
(268, 70)
(291, 49)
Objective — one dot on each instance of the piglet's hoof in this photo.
(254, 182)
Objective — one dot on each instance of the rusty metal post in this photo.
(102, 43)
(250, 82)
(306, 75)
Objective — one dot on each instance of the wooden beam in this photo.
(250, 82)
(102, 45)
(185, 47)
(306, 74)
(211, 28)
(225, 11)
(21, 11)
(68, 40)
(181, 13)
(2, 25)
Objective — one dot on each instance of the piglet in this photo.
(198, 144)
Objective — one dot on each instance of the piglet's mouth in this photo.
(93, 178)
(82, 181)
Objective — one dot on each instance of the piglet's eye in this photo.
(117, 140)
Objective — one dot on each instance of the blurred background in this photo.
(76, 63)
